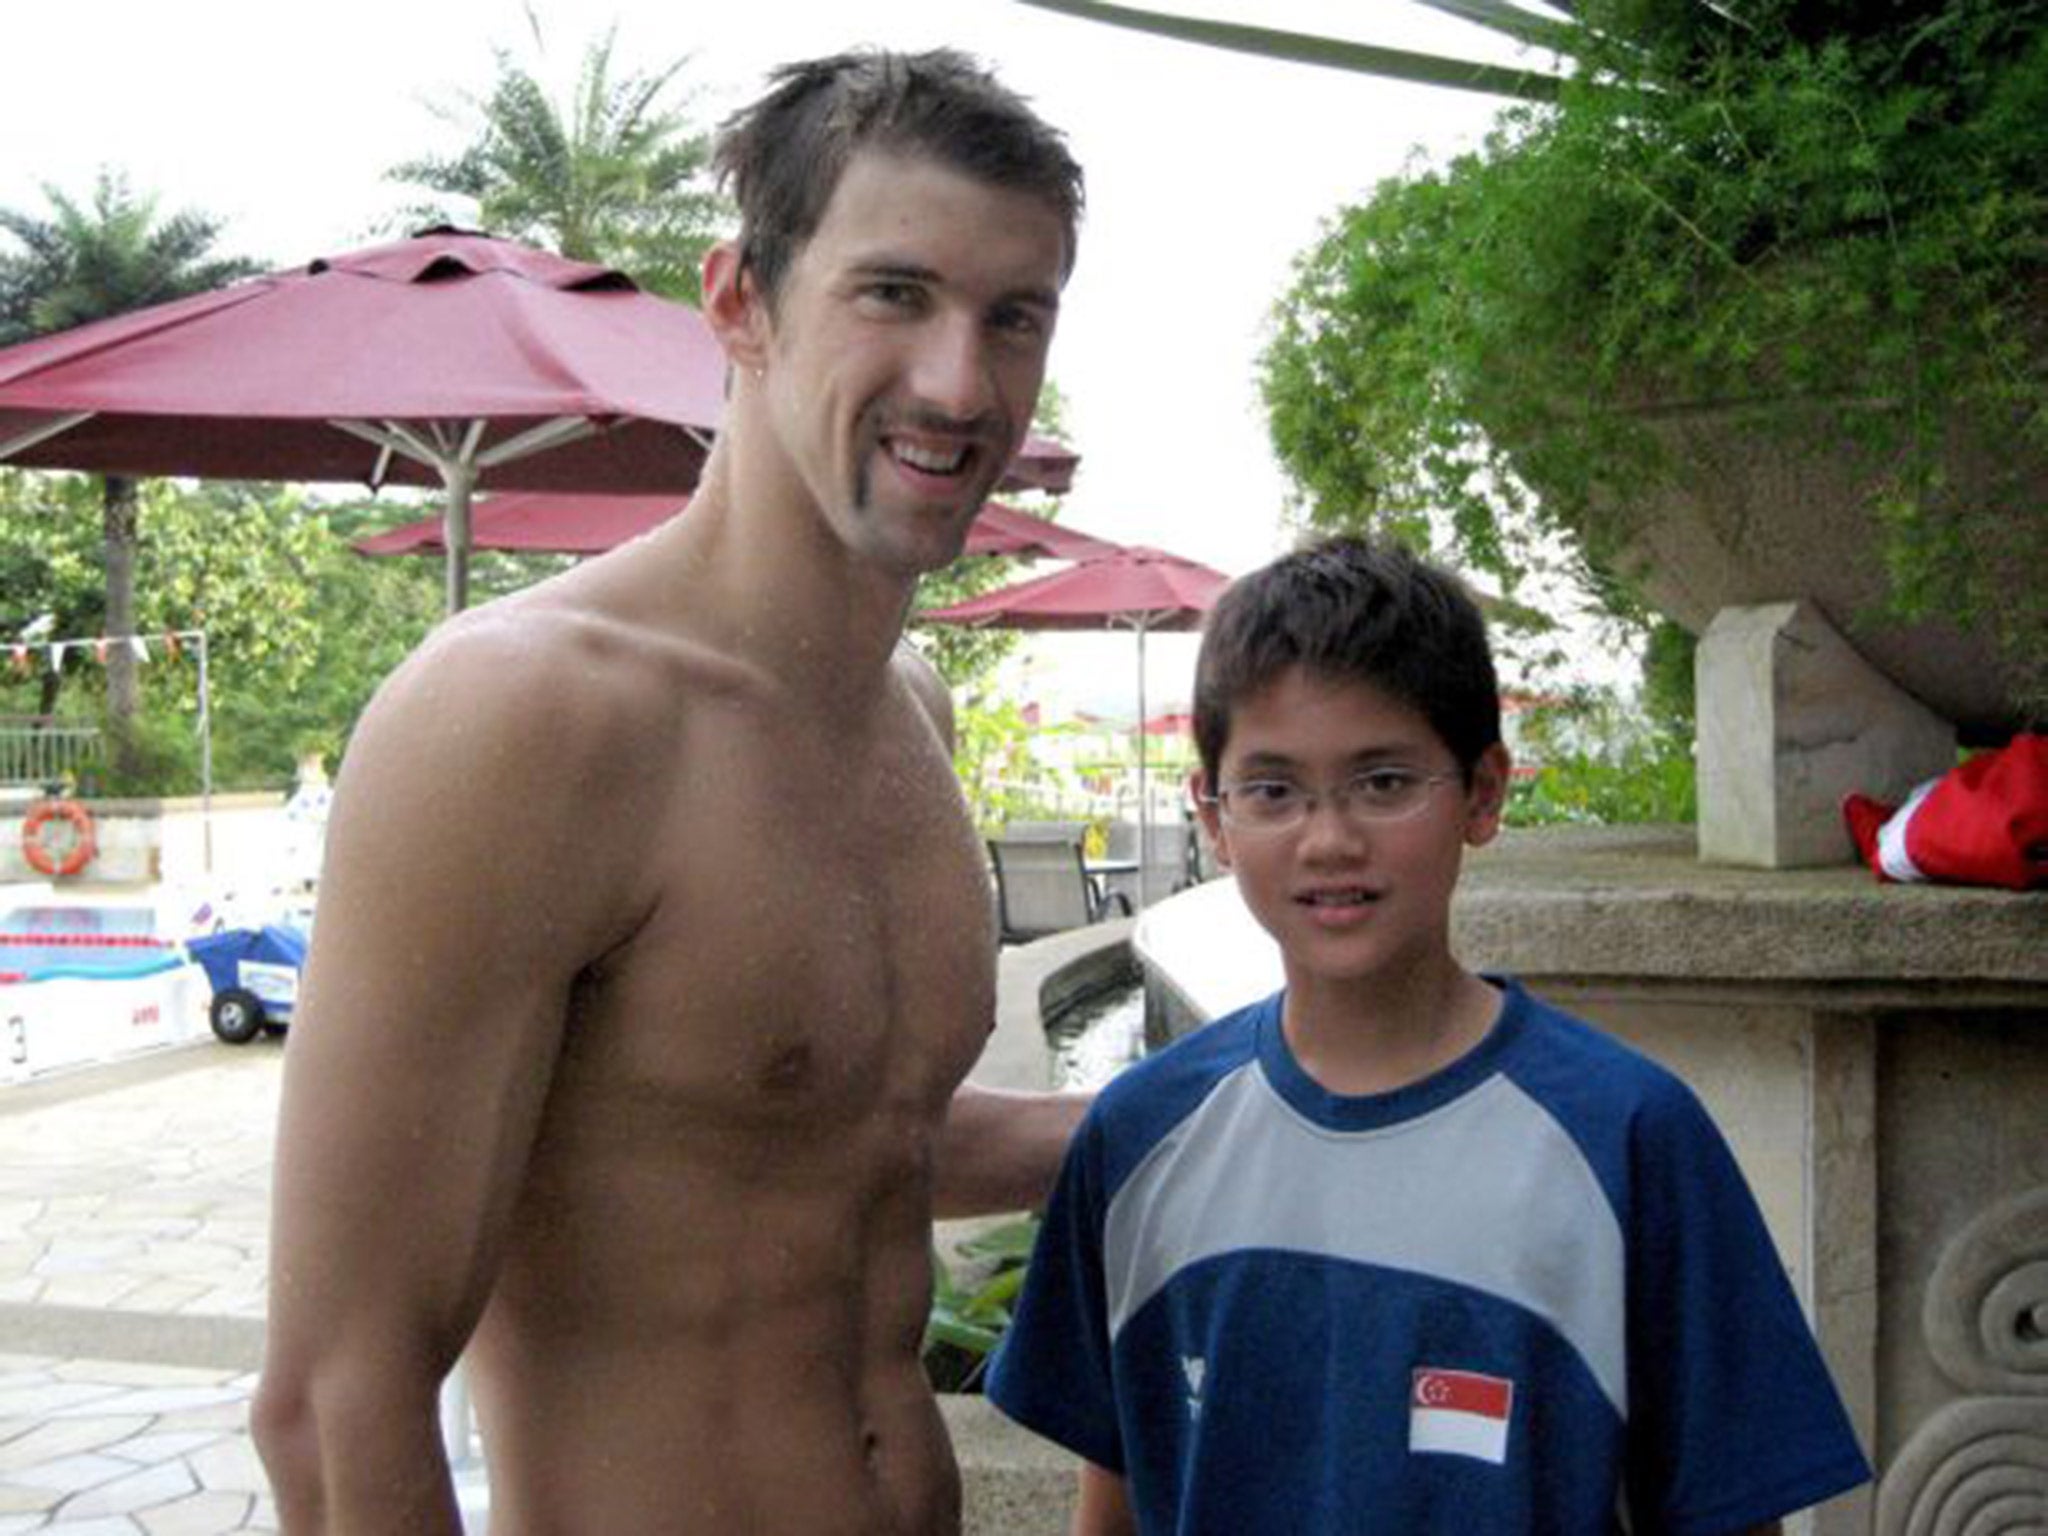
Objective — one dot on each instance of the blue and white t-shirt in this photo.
(1531, 1293)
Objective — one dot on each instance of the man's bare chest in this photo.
(821, 949)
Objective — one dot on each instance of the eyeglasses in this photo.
(1372, 797)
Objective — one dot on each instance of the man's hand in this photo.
(1104, 1506)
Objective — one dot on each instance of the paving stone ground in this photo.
(133, 1206)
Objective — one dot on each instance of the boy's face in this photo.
(903, 357)
(1351, 899)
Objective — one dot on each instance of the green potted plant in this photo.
(1753, 310)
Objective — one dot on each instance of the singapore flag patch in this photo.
(1460, 1413)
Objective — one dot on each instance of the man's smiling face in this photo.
(906, 349)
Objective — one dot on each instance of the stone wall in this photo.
(127, 841)
(237, 841)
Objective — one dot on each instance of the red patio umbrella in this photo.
(1003, 530)
(536, 522)
(1129, 588)
(448, 359)
(565, 524)
(1041, 465)
(1136, 588)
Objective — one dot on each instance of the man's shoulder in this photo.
(927, 686)
(552, 662)
(530, 721)
(529, 746)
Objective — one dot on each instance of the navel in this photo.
(789, 1068)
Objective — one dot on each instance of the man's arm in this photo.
(1000, 1151)
(443, 948)
(1104, 1507)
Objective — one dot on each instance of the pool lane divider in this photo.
(139, 955)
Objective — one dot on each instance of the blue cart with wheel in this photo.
(254, 973)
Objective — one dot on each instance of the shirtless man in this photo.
(654, 941)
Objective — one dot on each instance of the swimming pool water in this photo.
(44, 943)
(1098, 1036)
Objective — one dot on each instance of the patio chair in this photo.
(1172, 858)
(1045, 831)
(1202, 863)
(1043, 887)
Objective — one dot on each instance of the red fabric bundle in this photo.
(1984, 822)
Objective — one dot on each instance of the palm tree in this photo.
(615, 175)
(88, 263)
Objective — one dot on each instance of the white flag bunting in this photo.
(22, 654)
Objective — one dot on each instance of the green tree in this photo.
(362, 617)
(87, 262)
(616, 174)
(1828, 219)
(300, 629)
(965, 655)
(51, 574)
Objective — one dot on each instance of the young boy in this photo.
(1401, 1249)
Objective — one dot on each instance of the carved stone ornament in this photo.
(1979, 1466)
(1986, 1314)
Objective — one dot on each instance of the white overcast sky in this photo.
(1207, 171)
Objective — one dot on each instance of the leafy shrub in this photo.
(1644, 785)
(1596, 758)
(1780, 201)
(969, 1316)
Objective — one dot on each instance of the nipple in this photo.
(789, 1068)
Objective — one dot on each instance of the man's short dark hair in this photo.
(782, 157)
(1349, 609)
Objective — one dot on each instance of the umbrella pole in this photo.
(461, 480)
(205, 763)
(1144, 811)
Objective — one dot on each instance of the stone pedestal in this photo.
(1791, 719)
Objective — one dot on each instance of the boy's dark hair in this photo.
(1351, 609)
(783, 156)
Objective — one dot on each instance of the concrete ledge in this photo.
(1010, 1480)
(71, 1083)
(1034, 979)
(147, 1338)
(1634, 902)
(1613, 905)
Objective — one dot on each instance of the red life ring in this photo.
(49, 861)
